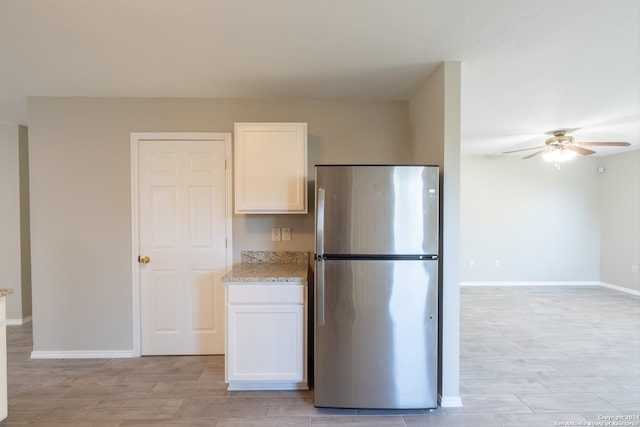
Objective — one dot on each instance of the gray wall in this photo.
(14, 221)
(620, 220)
(80, 195)
(25, 226)
(435, 126)
(550, 225)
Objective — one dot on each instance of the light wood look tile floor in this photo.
(529, 357)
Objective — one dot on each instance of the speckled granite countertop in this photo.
(5, 292)
(270, 266)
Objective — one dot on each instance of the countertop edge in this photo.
(255, 273)
(256, 281)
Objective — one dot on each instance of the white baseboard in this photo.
(450, 402)
(18, 322)
(115, 354)
(620, 288)
(567, 283)
(532, 283)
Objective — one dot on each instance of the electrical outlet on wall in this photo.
(275, 234)
(286, 234)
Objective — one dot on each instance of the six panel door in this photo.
(182, 232)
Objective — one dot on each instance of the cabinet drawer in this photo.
(266, 294)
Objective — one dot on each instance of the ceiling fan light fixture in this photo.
(559, 155)
(562, 147)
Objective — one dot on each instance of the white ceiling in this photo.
(528, 66)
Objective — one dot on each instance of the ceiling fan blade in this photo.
(523, 149)
(535, 154)
(580, 150)
(604, 144)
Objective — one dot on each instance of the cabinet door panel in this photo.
(270, 167)
(265, 343)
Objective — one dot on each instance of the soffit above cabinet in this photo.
(270, 168)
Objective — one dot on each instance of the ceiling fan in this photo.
(561, 147)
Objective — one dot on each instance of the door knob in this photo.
(144, 259)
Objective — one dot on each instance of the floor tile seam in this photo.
(106, 395)
(484, 410)
(332, 413)
(91, 416)
(148, 395)
(570, 414)
(630, 390)
(501, 424)
(362, 417)
(533, 382)
(454, 415)
(392, 412)
(155, 379)
(616, 404)
(231, 417)
(107, 402)
(576, 388)
(572, 394)
(514, 373)
(518, 395)
(89, 420)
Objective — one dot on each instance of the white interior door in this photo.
(183, 231)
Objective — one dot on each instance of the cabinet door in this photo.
(265, 343)
(270, 168)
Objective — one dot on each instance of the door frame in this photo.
(136, 137)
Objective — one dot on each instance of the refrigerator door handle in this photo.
(319, 257)
(320, 291)
(320, 223)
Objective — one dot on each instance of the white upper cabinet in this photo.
(270, 168)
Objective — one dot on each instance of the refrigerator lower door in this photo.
(377, 346)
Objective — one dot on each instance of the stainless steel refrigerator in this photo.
(376, 286)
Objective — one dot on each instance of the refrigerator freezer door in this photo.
(381, 210)
(378, 345)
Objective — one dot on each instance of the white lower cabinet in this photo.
(266, 337)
